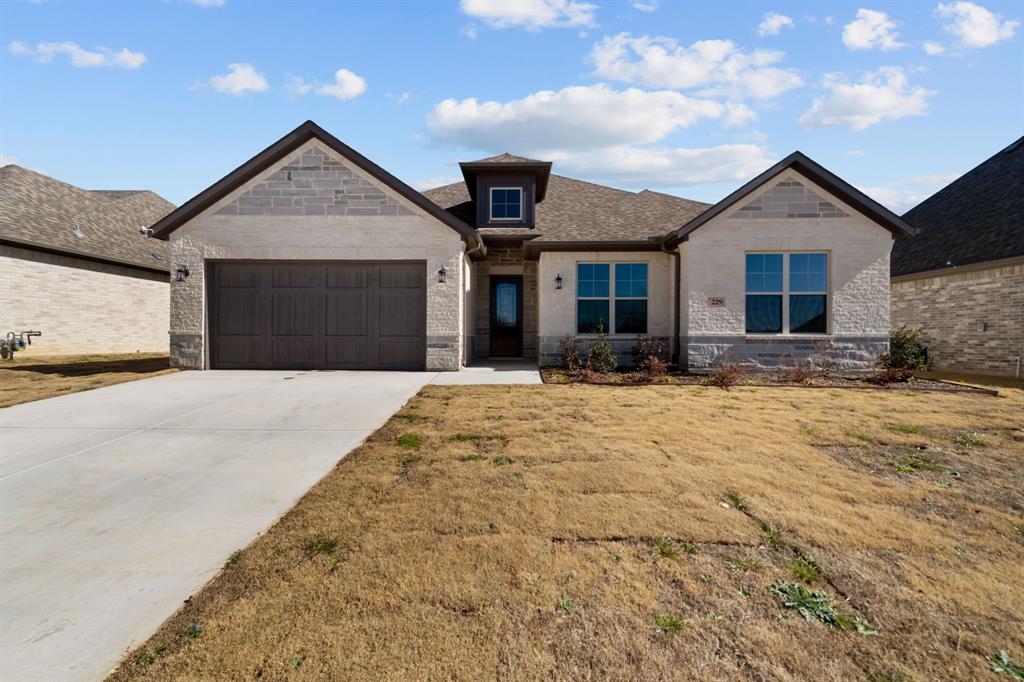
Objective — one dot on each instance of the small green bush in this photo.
(906, 350)
(601, 355)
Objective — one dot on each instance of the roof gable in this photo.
(291, 143)
(977, 218)
(818, 175)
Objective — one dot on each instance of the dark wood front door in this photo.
(329, 315)
(506, 316)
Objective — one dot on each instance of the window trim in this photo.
(490, 206)
(785, 293)
(611, 298)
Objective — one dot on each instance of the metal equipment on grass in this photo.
(14, 342)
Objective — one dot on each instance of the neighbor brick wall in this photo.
(358, 233)
(82, 306)
(950, 307)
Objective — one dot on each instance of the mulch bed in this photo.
(557, 375)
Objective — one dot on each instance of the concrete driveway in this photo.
(117, 504)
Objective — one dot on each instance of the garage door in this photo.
(337, 315)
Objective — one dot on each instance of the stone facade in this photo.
(713, 300)
(82, 306)
(789, 199)
(558, 306)
(971, 318)
(504, 258)
(281, 233)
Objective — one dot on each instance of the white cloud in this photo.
(665, 167)
(297, 86)
(856, 152)
(80, 57)
(646, 6)
(871, 29)
(436, 181)
(346, 86)
(717, 65)
(531, 15)
(576, 117)
(975, 26)
(902, 195)
(773, 23)
(7, 159)
(882, 95)
(932, 48)
(240, 79)
(471, 31)
(208, 3)
(400, 98)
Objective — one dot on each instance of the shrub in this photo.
(571, 354)
(906, 350)
(727, 374)
(648, 354)
(601, 355)
(796, 373)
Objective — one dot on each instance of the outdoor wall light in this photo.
(558, 281)
(442, 275)
(181, 273)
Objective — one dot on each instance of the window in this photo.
(506, 203)
(787, 293)
(611, 298)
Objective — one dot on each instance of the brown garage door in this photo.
(338, 315)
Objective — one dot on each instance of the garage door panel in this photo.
(347, 312)
(334, 315)
(401, 312)
(295, 313)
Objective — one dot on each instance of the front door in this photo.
(506, 316)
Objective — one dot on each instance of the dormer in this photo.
(506, 189)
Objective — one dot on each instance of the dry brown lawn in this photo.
(27, 378)
(585, 532)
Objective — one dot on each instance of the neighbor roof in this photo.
(977, 218)
(287, 144)
(817, 174)
(579, 212)
(40, 212)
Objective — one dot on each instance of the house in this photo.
(309, 255)
(961, 279)
(74, 266)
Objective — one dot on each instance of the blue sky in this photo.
(687, 98)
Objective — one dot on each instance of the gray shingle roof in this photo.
(39, 210)
(579, 211)
(978, 217)
(506, 158)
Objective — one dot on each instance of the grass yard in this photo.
(580, 532)
(27, 378)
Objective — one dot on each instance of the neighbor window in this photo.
(611, 297)
(506, 203)
(787, 293)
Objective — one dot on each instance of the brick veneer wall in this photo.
(505, 259)
(82, 306)
(972, 320)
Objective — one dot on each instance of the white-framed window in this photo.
(506, 203)
(611, 297)
(787, 293)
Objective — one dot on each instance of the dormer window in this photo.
(506, 203)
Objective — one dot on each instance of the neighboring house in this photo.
(74, 266)
(961, 279)
(309, 255)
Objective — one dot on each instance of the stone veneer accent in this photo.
(311, 183)
(972, 318)
(551, 349)
(789, 199)
(842, 353)
(505, 259)
(82, 306)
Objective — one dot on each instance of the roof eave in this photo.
(813, 172)
(290, 142)
(84, 255)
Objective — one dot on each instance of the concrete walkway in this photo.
(117, 504)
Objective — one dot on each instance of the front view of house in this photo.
(310, 256)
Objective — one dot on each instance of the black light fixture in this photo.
(558, 281)
(442, 275)
(181, 273)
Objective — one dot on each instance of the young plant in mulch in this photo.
(818, 606)
(601, 356)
